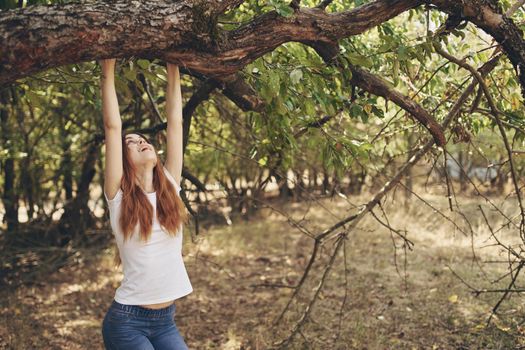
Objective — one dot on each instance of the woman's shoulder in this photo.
(116, 198)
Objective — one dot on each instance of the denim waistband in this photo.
(142, 311)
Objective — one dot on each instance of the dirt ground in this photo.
(419, 305)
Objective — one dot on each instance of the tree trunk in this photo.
(77, 215)
(67, 163)
(9, 197)
(326, 181)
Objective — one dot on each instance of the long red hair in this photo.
(136, 214)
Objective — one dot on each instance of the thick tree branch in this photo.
(379, 87)
(185, 32)
(241, 93)
(36, 38)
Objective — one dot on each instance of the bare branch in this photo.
(496, 114)
(283, 343)
(356, 218)
(306, 271)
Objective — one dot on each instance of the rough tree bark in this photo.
(39, 37)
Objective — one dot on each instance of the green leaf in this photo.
(130, 74)
(396, 71)
(310, 107)
(144, 64)
(282, 8)
(296, 75)
(356, 111)
(273, 81)
(359, 60)
(458, 33)
(402, 53)
(378, 112)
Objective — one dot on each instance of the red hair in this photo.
(137, 209)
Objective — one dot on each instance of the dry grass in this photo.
(430, 309)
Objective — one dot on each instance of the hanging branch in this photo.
(496, 113)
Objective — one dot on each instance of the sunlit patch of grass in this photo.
(71, 326)
(244, 238)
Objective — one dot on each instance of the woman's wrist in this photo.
(173, 72)
(107, 67)
(107, 74)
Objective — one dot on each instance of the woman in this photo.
(146, 215)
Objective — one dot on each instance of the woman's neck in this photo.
(145, 179)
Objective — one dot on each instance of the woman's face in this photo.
(141, 153)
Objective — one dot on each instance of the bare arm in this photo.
(174, 116)
(112, 129)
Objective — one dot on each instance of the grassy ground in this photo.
(421, 307)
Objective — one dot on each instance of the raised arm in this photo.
(112, 128)
(174, 116)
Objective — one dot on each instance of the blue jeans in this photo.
(132, 327)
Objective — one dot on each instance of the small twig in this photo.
(406, 244)
(307, 311)
(447, 181)
(479, 193)
(272, 285)
(435, 209)
(300, 283)
(386, 224)
(342, 310)
(145, 85)
(506, 291)
(493, 235)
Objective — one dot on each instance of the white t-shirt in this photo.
(154, 271)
